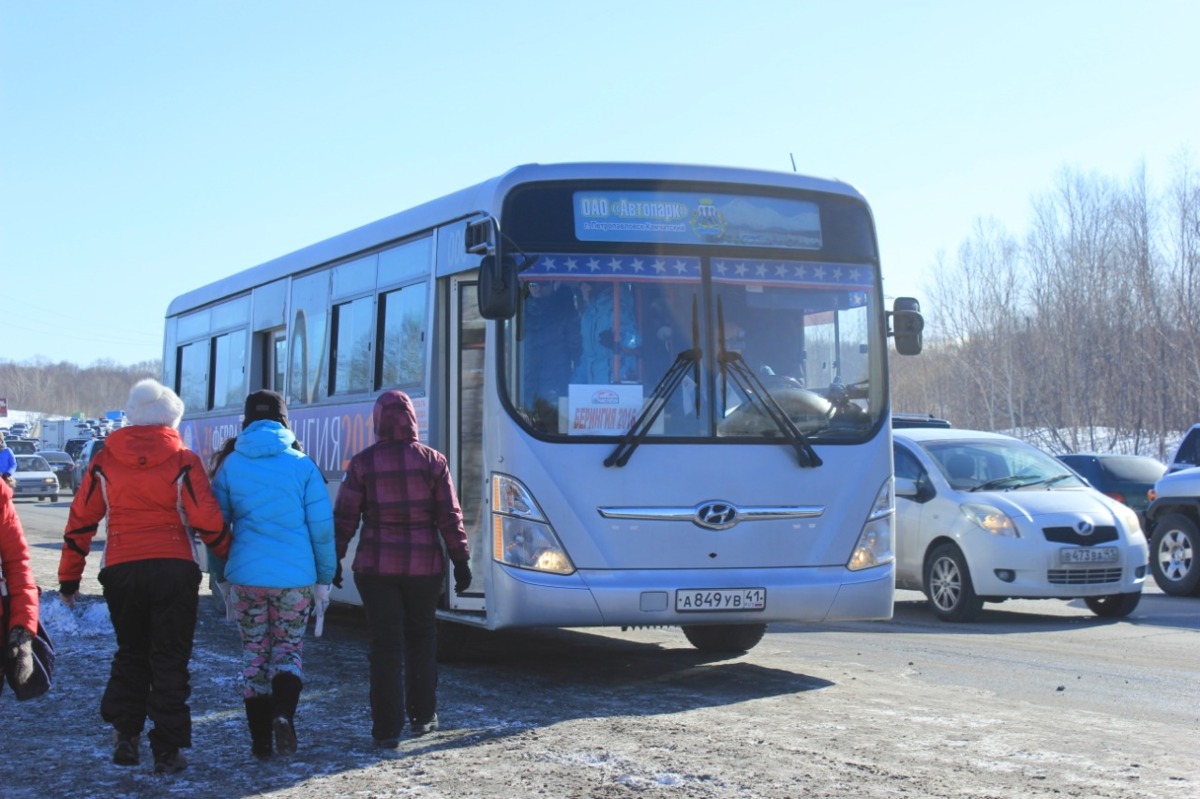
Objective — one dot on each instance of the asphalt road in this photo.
(1036, 698)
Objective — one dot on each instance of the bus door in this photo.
(465, 415)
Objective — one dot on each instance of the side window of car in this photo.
(907, 465)
(1187, 450)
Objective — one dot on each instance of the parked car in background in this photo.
(35, 478)
(984, 517)
(1125, 478)
(63, 466)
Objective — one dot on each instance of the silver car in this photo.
(984, 517)
(35, 478)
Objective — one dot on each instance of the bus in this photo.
(662, 389)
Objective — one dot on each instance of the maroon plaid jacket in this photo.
(402, 493)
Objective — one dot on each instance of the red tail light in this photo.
(1117, 495)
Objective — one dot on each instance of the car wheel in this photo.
(54, 498)
(726, 638)
(948, 585)
(1113, 607)
(1173, 555)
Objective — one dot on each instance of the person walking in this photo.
(280, 565)
(8, 461)
(153, 493)
(402, 493)
(21, 588)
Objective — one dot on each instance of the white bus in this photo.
(662, 389)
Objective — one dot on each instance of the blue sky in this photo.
(147, 148)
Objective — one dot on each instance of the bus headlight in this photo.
(521, 536)
(875, 547)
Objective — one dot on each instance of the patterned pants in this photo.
(272, 622)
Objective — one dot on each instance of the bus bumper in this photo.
(633, 598)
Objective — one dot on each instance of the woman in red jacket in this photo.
(21, 586)
(152, 492)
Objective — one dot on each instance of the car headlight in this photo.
(874, 546)
(1128, 519)
(521, 536)
(990, 519)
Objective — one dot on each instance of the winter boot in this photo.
(285, 695)
(125, 748)
(258, 716)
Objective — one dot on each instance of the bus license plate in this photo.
(1089, 555)
(708, 599)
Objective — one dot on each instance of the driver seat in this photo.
(961, 468)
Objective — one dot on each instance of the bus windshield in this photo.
(717, 336)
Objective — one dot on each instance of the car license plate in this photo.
(688, 600)
(1088, 555)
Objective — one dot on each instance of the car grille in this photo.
(1069, 535)
(1084, 576)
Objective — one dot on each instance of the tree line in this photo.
(1081, 335)
(64, 389)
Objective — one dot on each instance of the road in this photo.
(1035, 699)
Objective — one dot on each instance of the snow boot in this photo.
(258, 716)
(285, 695)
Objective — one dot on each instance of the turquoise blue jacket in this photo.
(276, 501)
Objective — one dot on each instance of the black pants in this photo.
(403, 628)
(153, 606)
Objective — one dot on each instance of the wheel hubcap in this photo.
(1175, 555)
(945, 583)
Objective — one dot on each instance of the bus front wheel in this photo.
(725, 638)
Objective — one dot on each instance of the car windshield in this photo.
(1132, 468)
(32, 463)
(987, 465)
(56, 457)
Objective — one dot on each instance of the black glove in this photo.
(337, 576)
(462, 576)
(19, 655)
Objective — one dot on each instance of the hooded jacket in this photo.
(18, 574)
(277, 504)
(151, 488)
(8, 461)
(402, 493)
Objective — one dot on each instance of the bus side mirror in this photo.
(907, 325)
(498, 287)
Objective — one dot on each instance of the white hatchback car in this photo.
(35, 478)
(984, 517)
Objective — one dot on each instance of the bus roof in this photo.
(482, 198)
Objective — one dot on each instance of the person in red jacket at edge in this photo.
(153, 493)
(22, 589)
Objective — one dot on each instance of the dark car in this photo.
(22, 446)
(63, 466)
(1125, 478)
(75, 445)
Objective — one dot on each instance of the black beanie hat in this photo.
(265, 405)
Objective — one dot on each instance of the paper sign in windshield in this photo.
(603, 410)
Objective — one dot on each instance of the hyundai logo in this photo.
(716, 515)
(1084, 527)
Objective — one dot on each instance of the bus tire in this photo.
(455, 642)
(724, 638)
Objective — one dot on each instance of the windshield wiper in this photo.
(662, 392)
(1001, 481)
(732, 363)
(1048, 481)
